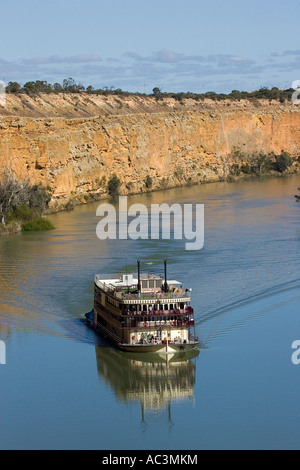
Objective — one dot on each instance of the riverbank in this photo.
(78, 201)
(10, 229)
(36, 225)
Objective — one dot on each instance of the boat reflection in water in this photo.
(153, 380)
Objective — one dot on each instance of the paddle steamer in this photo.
(147, 313)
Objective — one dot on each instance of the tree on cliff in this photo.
(70, 86)
(13, 87)
(157, 92)
(39, 86)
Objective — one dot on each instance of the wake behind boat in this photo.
(144, 314)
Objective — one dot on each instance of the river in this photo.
(63, 387)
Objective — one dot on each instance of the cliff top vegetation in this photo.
(69, 85)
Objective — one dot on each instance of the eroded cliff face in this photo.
(76, 146)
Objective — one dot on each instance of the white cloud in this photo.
(55, 59)
(172, 71)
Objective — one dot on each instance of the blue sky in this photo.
(177, 45)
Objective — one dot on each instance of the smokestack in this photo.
(165, 284)
(139, 276)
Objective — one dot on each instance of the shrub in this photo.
(37, 224)
(29, 219)
(113, 186)
(17, 194)
(179, 173)
(235, 170)
(39, 197)
(21, 213)
(245, 168)
(70, 205)
(149, 182)
(10, 229)
(282, 162)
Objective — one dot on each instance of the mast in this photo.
(139, 276)
(165, 289)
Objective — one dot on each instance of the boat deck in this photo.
(122, 292)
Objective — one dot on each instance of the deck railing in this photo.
(157, 324)
(163, 342)
(158, 313)
(154, 295)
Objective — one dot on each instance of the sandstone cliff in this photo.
(74, 143)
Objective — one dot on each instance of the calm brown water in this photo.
(63, 388)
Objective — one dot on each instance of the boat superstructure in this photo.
(147, 313)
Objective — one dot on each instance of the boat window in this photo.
(151, 284)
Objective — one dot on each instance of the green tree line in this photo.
(69, 85)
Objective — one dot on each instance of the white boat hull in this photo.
(158, 348)
(161, 348)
